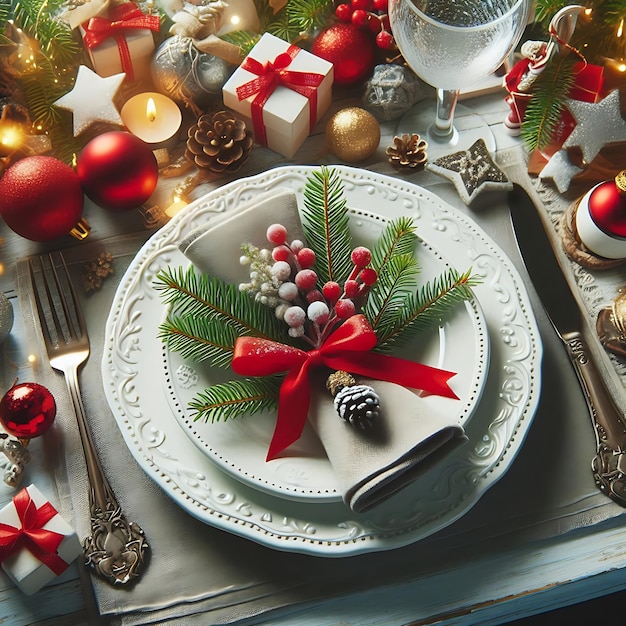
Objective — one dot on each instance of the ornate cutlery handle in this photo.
(609, 463)
(116, 548)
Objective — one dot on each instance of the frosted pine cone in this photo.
(219, 142)
(359, 405)
(408, 151)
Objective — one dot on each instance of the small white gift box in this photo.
(282, 91)
(36, 543)
(121, 41)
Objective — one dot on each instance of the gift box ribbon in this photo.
(122, 17)
(42, 543)
(348, 348)
(270, 75)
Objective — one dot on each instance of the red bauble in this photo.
(607, 206)
(27, 410)
(41, 198)
(118, 171)
(349, 48)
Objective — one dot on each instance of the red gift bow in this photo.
(347, 348)
(122, 17)
(42, 543)
(270, 75)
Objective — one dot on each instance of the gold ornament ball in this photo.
(353, 134)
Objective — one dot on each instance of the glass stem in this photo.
(446, 103)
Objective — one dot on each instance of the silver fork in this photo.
(116, 548)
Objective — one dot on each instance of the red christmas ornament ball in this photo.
(41, 198)
(27, 410)
(349, 48)
(607, 205)
(118, 171)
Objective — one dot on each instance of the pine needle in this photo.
(326, 225)
(236, 398)
(425, 307)
(544, 110)
(211, 300)
(199, 340)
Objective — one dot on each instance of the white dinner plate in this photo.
(239, 447)
(133, 371)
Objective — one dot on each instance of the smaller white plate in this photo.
(304, 473)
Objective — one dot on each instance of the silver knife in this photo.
(536, 248)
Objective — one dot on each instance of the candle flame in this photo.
(151, 110)
(620, 28)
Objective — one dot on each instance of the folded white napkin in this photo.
(372, 464)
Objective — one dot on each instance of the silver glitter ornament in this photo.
(6, 317)
(192, 78)
(392, 91)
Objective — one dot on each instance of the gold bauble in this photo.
(352, 134)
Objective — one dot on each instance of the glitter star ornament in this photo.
(560, 170)
(471, 171)
(91, 99)
(596, 125)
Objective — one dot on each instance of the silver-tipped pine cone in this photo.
(359, 405)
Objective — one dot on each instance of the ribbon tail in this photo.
(293, 410)
(400, 371)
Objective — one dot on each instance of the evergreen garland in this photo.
(207, 315)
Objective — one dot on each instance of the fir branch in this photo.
(427, 305)
(199, 340)
(56, 38)
(209, 299)
(386, 301)
(326, 225)
(310, 15)
(236, 398)
(544, 110)
(393, 258)
(244, 39)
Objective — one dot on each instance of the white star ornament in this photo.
(91, 99)
(596, 125)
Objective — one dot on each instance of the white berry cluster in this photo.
(285, 279)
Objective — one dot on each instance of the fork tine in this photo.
(56, 300)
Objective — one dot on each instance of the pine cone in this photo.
(408, 151)
(358, 405)
(219, 142)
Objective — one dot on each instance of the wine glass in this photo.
(451, 45)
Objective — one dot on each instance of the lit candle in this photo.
(151, 116)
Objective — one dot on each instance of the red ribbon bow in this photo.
(122, 17)
(348, 348)
(270, 75)
(42, 543)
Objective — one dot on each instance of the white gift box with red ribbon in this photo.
(121, 41)
(36, 543)
(281, 91)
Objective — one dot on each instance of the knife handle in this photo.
(609, 463)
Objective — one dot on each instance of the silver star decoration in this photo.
(471, 171)
(91, 99)
(596, 125)
(561, 170)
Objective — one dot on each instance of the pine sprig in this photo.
(425, 307)
(212, 300)
(544, 110)
(199, 340)
(394, 260)
(325, 225)
(236, 398)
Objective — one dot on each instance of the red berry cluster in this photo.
(370, 14)
(311, 312)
